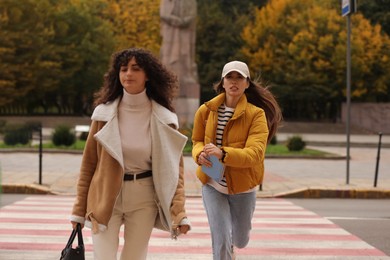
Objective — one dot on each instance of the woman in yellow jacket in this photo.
(235, 127)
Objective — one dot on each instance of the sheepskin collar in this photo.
(105, 112)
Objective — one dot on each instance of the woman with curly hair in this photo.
(132, 168)
(235, 127)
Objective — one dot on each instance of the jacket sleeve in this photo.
(178, 203)
(198, 132)
(87, 169)
(255, 145)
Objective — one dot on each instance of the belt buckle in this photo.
(131, 176)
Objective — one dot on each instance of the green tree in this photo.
(25, 52)
(53, 53)
(377, 11)
(219, 27)
(300, 47)
(86, 43)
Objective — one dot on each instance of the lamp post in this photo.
(347, 8)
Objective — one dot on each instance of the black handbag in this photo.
(78, 253)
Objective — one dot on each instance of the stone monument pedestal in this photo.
(185, 109)
(187, 103)
(178, 31)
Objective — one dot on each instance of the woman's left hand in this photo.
(183, 229)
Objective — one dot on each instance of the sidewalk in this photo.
(284, 177)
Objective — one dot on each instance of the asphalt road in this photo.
(367, 219)
(6, 199)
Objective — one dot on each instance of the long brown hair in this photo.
(259, 95)
(161, 85)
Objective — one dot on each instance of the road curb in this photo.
(25, 189)
(317, 193)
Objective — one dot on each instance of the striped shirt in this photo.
(224, 115)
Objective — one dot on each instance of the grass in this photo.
(274, 150)
(280, 149)
(78, 145)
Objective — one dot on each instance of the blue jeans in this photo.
(229, 218)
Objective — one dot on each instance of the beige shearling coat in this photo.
(102, 168)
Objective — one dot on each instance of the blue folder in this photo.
(216, 171)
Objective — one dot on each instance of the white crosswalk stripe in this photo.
(37, 227)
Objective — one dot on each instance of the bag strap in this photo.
(80, 235)
(76, 231)
(71, 238)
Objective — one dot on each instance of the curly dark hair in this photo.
(161, 86)
(260, 96)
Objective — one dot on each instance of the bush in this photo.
(16, 134)
(63, 136)
(295, 143)
(83, 136)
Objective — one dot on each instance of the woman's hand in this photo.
(183, 229)
(209, 149)
(212, 149)
(204, 160)
(74, 224)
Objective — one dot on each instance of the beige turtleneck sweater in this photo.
(134, 114)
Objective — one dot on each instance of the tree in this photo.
(25, 53)
(219, 27)
(134, 23)
(377, 11)
(53, 53)
(300, 46)
(86, 42)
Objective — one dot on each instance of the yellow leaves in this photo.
(136, 23)
(264, 58)
(324, 43)
(358, 92)
(300, 42)
(272, 13)
(367, 45)
(322, 64)
(308, 39)
(267, 20)
(385, 59)
(249, 35)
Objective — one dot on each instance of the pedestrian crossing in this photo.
(37, 227)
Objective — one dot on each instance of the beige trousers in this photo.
(136, 209)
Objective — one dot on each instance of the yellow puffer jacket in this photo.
(244, 141)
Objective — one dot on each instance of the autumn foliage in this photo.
(53, 54)
(300, 46)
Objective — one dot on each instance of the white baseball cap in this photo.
(237, 66)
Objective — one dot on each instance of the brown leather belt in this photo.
(130, 177)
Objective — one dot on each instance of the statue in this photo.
(178, 31)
